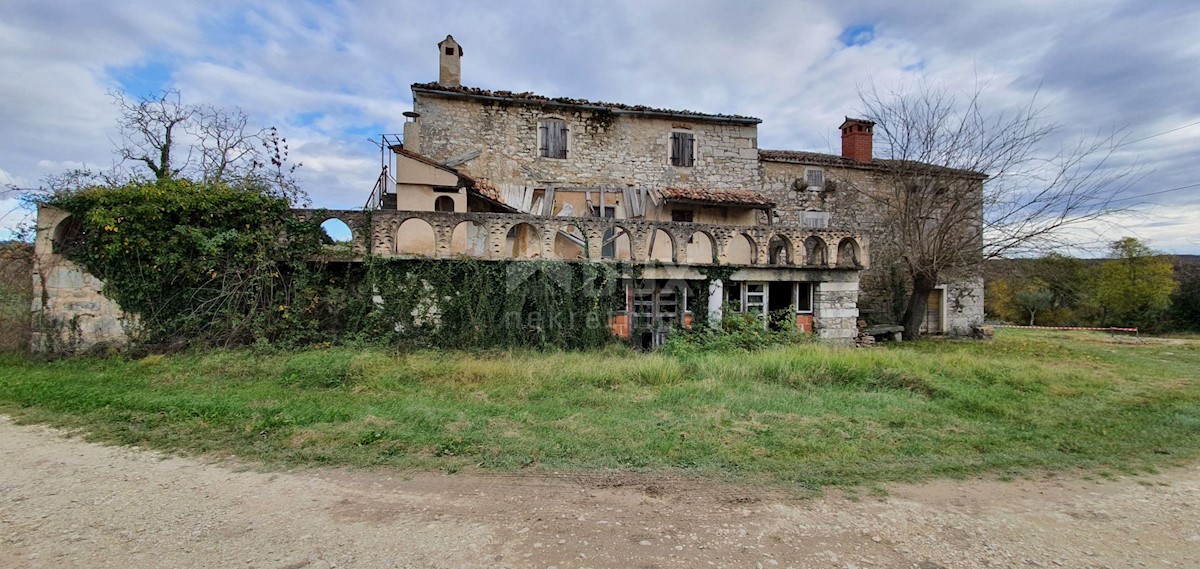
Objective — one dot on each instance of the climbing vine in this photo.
(220, 265)
(483, 304)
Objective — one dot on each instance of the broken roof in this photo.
(819, 159)
(717, 197)
(541, 100)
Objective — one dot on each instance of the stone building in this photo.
(711, 221)
(798, 219)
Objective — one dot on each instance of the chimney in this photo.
(856, 139)
(450, 74)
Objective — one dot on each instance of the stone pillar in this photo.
(835, 311)
(716, 296)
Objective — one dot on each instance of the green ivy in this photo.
(469, 303)
(202, 264)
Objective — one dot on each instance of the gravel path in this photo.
(66, 503)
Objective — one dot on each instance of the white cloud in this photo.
(325, 72)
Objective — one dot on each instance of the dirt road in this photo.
(66, 503)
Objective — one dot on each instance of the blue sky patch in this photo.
(858, 34)
(143, 80)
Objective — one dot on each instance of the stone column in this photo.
(716, 296)
(835, 311)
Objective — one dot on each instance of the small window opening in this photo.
(449, 51)
(444, 203)
(682, 215)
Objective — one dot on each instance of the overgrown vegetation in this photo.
(203, 264)
(16, 297)
(806, 415)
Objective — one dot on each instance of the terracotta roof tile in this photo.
(819, 159)
(722, 197)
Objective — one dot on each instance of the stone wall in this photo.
(835, 311)
(604, 147)
(70, 312)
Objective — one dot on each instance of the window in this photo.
(552, 138)
(815, 178)
(682, 215)
(443, 203)
(804, 298)
(683, 146)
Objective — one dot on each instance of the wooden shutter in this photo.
(561, 141)
(681, 148)
(543, 138)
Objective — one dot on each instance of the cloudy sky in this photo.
(332, 74)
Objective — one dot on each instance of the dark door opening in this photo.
(781, 300)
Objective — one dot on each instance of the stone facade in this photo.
(846, 199)
(605, 147)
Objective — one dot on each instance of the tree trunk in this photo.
(914, 313)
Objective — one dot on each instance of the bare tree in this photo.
(149, 130)
(959, 185)
(203, 142)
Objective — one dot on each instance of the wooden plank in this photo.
(548, 206)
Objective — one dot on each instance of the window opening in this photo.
(682, 215)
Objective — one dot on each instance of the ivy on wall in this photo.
(466, 303)
(204, 264)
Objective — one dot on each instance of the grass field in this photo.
(809, 415)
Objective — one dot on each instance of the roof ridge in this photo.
(570, 101)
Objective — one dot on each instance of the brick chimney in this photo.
(450, 74)
(856, 139)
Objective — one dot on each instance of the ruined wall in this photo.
(70, 312)
(603, 148)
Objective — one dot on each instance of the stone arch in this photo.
(779, 250)
(816, 252)
(848, 253)
(523, 241)
(702, 248)
(661, 247)
(415, 236)
(741, 250)
(444, 204)
(570, 242)
(337, 231)
(617, 243)
(469, 239)
(67, 235)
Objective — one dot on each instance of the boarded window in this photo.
(815, 178)
(552, 137)
(682, 148)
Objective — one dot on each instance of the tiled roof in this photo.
(535, 99)
(722, 197)
(819, 159)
